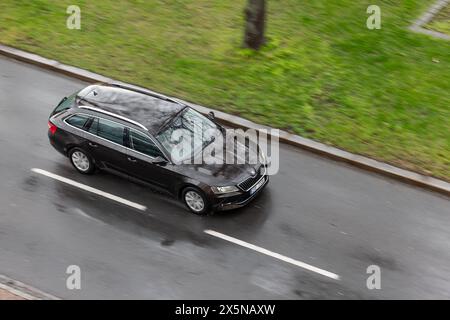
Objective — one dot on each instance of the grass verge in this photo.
(380, 93)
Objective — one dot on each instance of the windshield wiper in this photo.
(170, 120)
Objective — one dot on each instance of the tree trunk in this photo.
(255, 15)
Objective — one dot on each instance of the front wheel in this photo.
(196, 201)
(81, 161)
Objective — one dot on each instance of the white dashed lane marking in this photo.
(90, 189)
(273, 254)
(210, 232)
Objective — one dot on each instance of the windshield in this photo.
(187, 134)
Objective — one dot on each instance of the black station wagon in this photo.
(129, 131)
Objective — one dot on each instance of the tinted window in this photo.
(93, 128)
(108, 130)
(143, 144)
(65, 104)
(77, 121)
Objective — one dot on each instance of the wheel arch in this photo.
(186, 185)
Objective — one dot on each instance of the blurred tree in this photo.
(255, 15)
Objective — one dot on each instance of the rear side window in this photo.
(108, 130)
(78, 121)
(144, 144)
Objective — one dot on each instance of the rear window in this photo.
(65, 104)
(78, 121)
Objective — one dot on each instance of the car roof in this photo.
(149, 109)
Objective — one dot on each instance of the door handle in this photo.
(93, 145)
(132, 159)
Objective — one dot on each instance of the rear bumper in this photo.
(57, 144)
(234, 202)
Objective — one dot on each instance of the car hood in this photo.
(225, 173)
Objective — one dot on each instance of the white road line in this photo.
(273, 254)
(90, 189)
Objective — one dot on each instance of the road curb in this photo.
(23, 291)
(369, 164)
(417, 26)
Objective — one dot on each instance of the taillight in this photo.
(52, 128)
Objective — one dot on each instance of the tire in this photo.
(192, 198)
(81, 161)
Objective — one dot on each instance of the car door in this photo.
(141, 156)
(106, 144)
(76, 125)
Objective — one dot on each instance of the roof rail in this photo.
(146, 92)
(115, 116)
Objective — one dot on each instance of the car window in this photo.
(144, 144)
(189, 126)
(77, 121)
(93, 128)
(108, 130)
(65, 104)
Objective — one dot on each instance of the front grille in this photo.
(248, 183)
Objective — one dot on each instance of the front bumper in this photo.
(238, 201)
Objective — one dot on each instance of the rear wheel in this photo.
(81, 161)
(196, 201)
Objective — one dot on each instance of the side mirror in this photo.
(159, 160)
(211, 116)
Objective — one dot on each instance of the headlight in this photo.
(226, 189)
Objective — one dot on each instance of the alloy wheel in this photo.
(81, 161)
(194, 201)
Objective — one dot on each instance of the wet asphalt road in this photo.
(317, 211)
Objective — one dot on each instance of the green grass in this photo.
(441, 21)
(381, 93)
